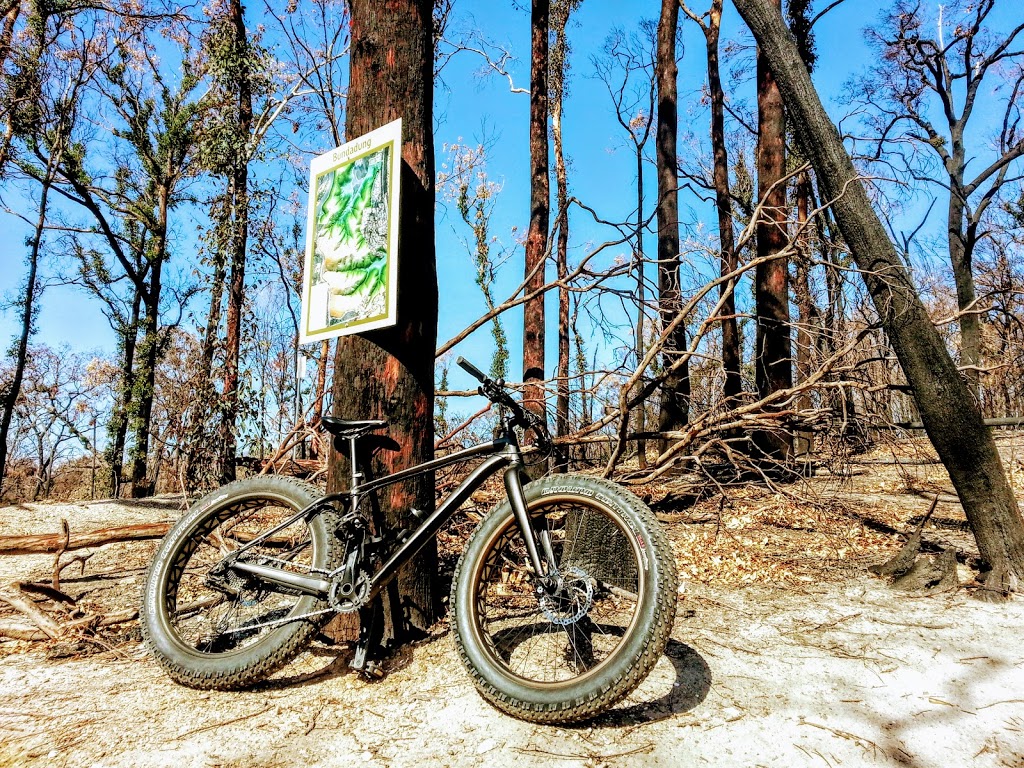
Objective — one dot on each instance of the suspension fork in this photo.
(548, 573)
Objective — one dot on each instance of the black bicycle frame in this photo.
(504, 453)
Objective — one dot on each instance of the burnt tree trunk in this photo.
(144, 380)
(807, 311)
(731, 356)
(674, 404)
(558, 67)
(773, 353)
(949, 411)
(117, 427)
(537, 236)
(389, 373)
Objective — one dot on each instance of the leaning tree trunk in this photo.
(948, 409)
(28, 310)
(674, 403)
(390, 373)
(773, 354)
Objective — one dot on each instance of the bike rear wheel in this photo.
(568, 655)
(222, 629)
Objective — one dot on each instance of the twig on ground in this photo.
(221, 723)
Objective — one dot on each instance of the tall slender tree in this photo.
(711, 25)
(674, 406)
(627, 70)
(559, 67)
(773, 352)
(540, 204)
(25, 119)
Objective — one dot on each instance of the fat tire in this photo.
(244, 667)
(632, 660)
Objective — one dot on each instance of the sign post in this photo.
(350, 275)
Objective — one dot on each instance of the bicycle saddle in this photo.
(349, 428)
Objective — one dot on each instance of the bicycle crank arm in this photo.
(308, 584)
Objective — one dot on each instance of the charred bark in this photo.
(773, 352)
(674, 401)
(239, 211)
(537, 236)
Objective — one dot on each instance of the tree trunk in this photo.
(144, 381)
(212, 330)
(674, 401)
(557, 75)
(390, 373)
(13, 392)
(807, 313)
(641, 411)
(239, 211)
(321, 381)
(117, 428)
(773, 355)
(961, 257)
(951, 416)
(11, 10)
(731, 356)
(537, 236)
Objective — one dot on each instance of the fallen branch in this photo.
(14, 631)
(13, 597)
(58, 542)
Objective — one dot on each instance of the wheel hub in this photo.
(572, 600)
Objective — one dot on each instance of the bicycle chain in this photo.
(277, 622)
(287, 619)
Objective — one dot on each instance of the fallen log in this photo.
(55, 542)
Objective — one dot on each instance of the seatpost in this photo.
(356, 474)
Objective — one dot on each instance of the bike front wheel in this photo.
(565, 654)
(211, 627)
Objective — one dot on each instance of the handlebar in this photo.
(495, 392)
(472, 370)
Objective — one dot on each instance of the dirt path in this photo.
(836, 671)
(840, 674)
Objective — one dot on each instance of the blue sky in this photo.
(602, 169)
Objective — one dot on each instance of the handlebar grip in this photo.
(471, 369)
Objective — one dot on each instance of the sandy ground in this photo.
(835, 672)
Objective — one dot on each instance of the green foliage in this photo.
(239, 73)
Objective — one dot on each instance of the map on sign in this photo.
(351, 267)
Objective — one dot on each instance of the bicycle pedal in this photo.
(372, 671)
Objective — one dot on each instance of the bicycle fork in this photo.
(542, 559)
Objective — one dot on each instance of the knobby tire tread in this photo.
(229, 674)
(631, 671)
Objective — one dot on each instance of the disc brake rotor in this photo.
(572, 602)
